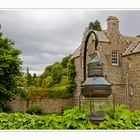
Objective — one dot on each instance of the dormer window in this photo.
(115, 58)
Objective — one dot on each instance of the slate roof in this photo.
(102, 38)
(76, 53)
(134, 47)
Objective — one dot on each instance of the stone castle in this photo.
(120, 55)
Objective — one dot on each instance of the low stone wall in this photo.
(48, 105)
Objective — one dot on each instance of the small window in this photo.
(131, 91)
(115, 60)
(129, 63)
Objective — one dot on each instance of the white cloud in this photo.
(47, 35)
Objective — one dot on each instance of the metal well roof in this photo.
(96, 81)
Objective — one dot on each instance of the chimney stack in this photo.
(113, 25)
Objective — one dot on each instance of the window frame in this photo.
(115, 58)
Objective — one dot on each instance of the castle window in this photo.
(115, 58)
(129, 63)
(131, 91)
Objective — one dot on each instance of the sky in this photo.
(46, 36)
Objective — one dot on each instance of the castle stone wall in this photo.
(47, 105)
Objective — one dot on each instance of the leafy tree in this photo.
(65, 61)
(64, 81)
(34, 76)
(21, 80)
(9, 69)
(95, 25)
(29, 80)
(47, 72)
(36, 82)
(56, 72)
(47, 83)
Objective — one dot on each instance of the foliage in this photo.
(59, 92)
(95, 25)
(121, 118)
(5, 107)
(47, 72)
(57, 81)
(34, 110)
(65, 61)
(71, 75)
(64, 81)
(29, 80)
(20, 80)
(35, 92)
(9, 69)
(76, 119)
(47, 83)
(56, 73)
(37, 82)
(135, 118)
(71, 119)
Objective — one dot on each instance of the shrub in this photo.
(4, 107)
(118, 119)
(73, 118)
(135, 118)
(34, 110)
(35, 92)
(69, 119)
(47, 83)
(56, 73)
(59, 92)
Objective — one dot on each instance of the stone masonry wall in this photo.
(131, 66)
(48, 105)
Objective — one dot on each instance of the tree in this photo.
(47, 72)
(29, 80)
(95, 25)
(9, 69)
(47, 83)
(56, 72)
(37, 82)
(65, 61)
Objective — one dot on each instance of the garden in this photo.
(69, 119)
(57, 81)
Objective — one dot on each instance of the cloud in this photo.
(47, 35)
